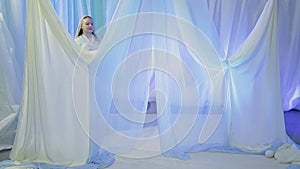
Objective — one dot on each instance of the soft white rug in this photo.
(201, 160)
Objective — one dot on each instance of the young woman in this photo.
(85, 35)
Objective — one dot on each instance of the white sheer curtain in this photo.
(11, 64)
(10, 89)
(49, 130)
(249, 41)
(226, 25)
(215, 73)
(47, 121)
(289, 35)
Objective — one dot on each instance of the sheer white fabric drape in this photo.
(289, 35)
(253, 81)
(11, 64)
(48, 129)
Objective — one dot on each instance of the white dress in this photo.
(87, 44)
(81, 79)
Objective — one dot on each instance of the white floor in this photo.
(201, 160)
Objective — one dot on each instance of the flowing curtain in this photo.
(289, 39)
(226, 24)
(48, 127)
(215, 70)
(44, 65)
(252, 76)
(11, 64)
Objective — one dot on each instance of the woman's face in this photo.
(87, 26)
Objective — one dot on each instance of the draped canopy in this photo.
(221, 75)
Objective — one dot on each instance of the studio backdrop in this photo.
(221, 77)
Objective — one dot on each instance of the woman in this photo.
(85, 35)
(87, 40)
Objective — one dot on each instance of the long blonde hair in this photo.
(79, 29)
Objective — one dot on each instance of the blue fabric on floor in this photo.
(293, 166)
(228, 149)
(292, 126)
(100, 160)
(10, 163)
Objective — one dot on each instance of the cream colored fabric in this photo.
(206, 96)
(48, 129)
